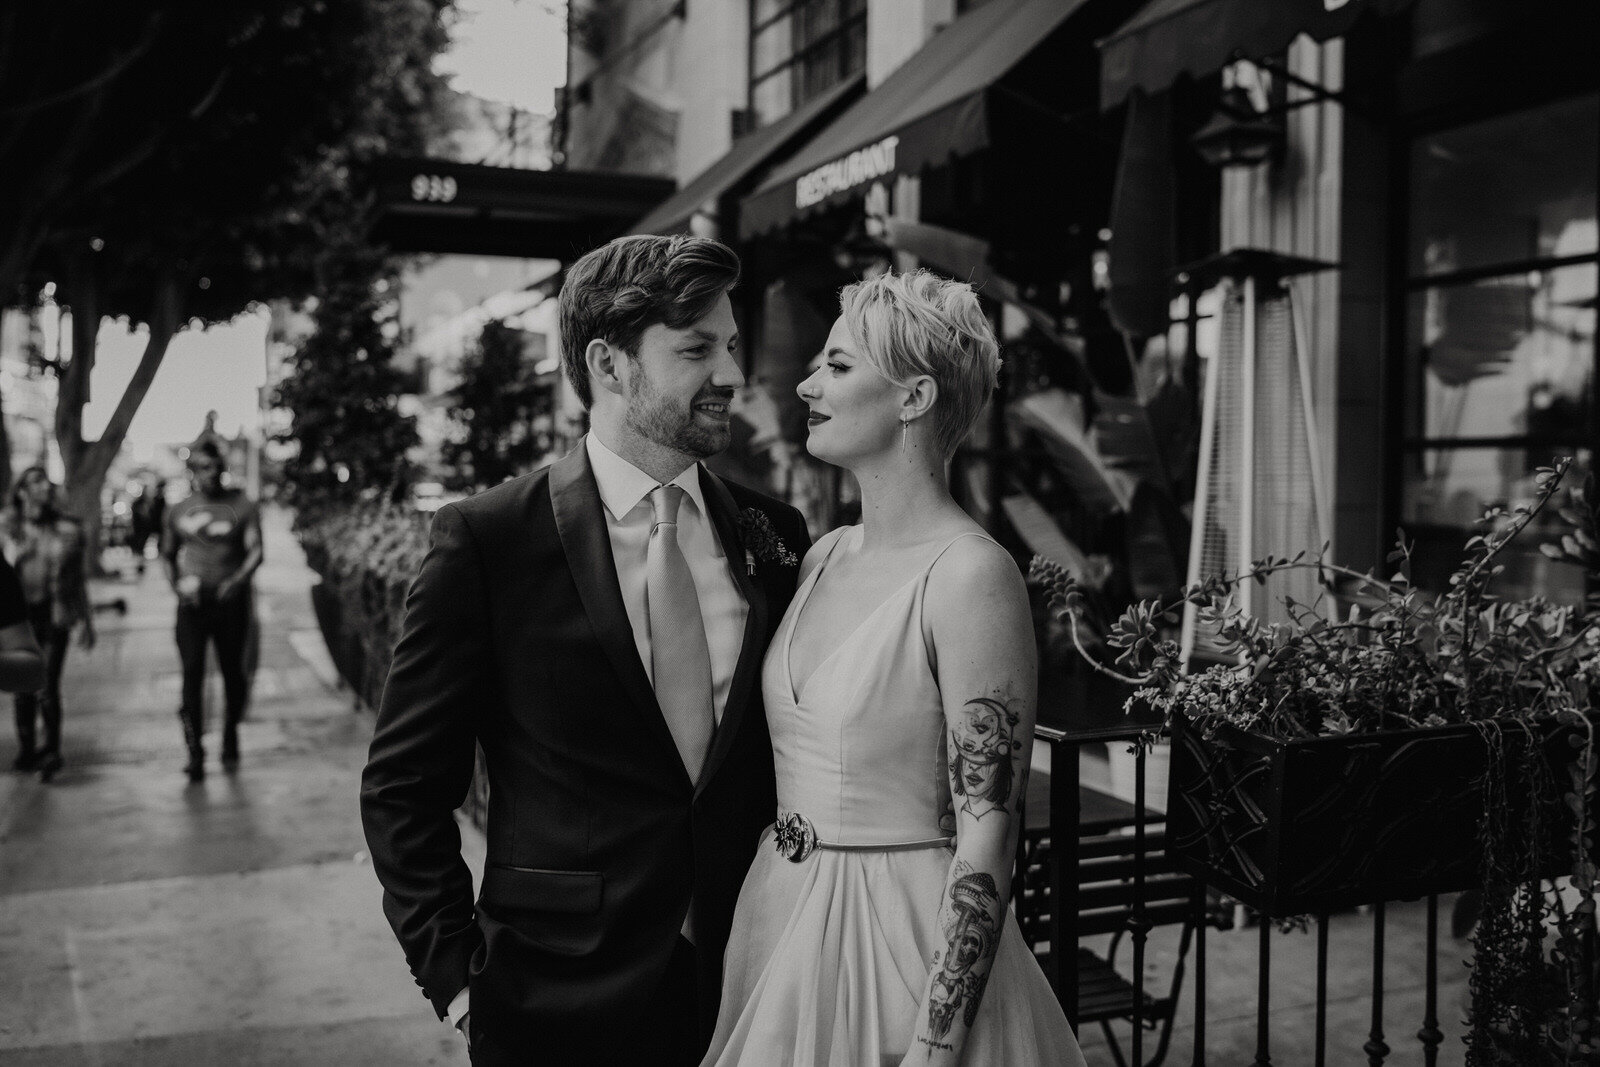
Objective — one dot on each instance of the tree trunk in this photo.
(5, 457)
(87, 463)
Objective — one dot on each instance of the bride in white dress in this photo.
(873, 927)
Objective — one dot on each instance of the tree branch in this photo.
(119, 63)
(163, 325)
(73, 393)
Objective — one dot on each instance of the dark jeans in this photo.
(225, 624)
(669, 1031)
(44, 704)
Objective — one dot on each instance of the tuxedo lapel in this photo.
(581, 524)
(725, 519)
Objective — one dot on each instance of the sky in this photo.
(510, 50)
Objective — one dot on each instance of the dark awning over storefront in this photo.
(1199, 37)
(435, 205)
(928, 110)
(758, 149)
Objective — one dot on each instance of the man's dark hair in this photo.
(624, 287)
(209, 450)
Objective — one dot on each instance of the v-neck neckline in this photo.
(804, 598)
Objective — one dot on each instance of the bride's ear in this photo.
(921, 393)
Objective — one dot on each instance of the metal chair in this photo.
(1111, 876)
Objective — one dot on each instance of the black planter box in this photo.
(1324, 823)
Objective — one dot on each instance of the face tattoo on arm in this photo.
(981, 746)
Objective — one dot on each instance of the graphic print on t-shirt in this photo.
(209, 522)
(210, 535)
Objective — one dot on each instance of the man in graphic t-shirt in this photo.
(212, 545)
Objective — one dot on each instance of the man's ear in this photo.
(602, 358)
(920, 396)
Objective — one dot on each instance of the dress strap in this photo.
(957, 537)
(922, 592)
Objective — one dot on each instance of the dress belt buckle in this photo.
(796, 837)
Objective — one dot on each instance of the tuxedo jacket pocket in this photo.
(536, 889)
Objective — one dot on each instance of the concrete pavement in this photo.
(147, 921)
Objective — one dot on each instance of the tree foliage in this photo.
(181, 160)
(348, 436)
(493, 408)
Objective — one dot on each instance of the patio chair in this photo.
(1103, 896)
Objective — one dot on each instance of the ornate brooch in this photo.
(761, 541)
(796, 837)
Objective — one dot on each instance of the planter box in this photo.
(1324, 823)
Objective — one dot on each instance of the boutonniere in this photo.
(761, 541)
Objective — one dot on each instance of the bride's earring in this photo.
(905, 434)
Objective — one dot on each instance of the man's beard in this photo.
(658, 419)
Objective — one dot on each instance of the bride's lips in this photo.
(816, 418)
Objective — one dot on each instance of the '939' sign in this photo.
(440, 189)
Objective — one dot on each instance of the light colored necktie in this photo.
(680, 656)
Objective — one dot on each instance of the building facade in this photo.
(1269, 277)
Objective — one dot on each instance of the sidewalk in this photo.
(147, 921)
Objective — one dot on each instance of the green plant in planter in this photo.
(1396, 671)
(367, 555)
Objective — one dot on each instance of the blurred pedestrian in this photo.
(211, 542)
(149, 510)
(21, 663)
(46, 548)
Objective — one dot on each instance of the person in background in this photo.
(149, 509)
(211, 543)
(21, 663)
(46, 549)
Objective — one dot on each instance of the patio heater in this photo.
(1261, 487)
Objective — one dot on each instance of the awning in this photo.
(1199, 37)
(757, 149)
(437, 205)
(928, 110)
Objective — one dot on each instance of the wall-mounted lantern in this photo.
(1238, 135)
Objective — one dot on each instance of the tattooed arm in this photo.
(981, 633)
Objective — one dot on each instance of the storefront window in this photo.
(1446, 492)
(1511, 189)
(801, 49)
(1503, 269)
(1509, 356)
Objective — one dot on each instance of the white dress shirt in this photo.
(624, 494)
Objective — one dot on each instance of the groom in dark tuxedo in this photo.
(597, 628)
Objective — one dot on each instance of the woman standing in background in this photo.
(46, 548)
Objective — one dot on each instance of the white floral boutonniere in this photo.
(761, 541)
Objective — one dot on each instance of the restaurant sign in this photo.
(859, 167)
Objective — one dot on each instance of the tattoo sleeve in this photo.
(987, 776)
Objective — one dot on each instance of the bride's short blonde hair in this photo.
(909, 325)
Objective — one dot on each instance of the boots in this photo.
(49, 760)
(230, 747)
(49, 764)
(196, 767)
(27, 759)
